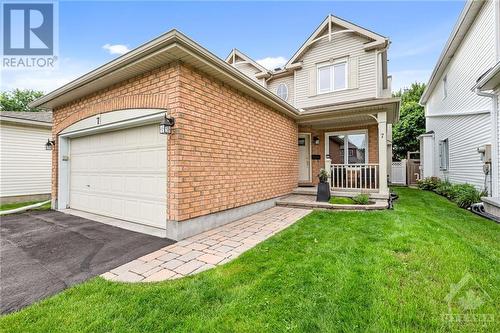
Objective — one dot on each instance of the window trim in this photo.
(445, 167)
(347, 133)
(332, 64)
(287, 91)
(445, 86)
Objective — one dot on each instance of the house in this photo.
(337, 80)
(171, 140)
(25, 167)
(461, 102)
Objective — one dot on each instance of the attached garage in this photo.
(229, 148)
(117, 169)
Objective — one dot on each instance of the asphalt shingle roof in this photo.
(41, 116)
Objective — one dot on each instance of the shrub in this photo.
(323, 176)
(429, 183)
(445, 188)
(361, 199)
(465, 195)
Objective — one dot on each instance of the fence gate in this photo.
(398, 173)
(413, 168)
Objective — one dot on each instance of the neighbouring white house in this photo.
(25, 165)
(461, 102)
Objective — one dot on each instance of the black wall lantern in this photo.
(316, 140)
(166, 125)
(50, 144)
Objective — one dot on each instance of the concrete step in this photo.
(350, 194)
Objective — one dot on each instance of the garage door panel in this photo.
(126, 171)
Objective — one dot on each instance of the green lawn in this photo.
(378, 271)
(10, 206)
(341, 201)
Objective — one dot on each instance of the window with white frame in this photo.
(445, 86)
(332, 76)
(282, 91)
(355, 143)
(444, 160)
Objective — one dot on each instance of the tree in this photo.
(411, 121)
(18, 100)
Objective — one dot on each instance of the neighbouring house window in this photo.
(282, 91)
(332, 77)
(356, 145)
(444, 160)
(445, 86)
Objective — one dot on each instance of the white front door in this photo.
(121, 174)
(304, 158)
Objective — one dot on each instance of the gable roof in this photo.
(41, 118)
(465, 21)
(237, 53)
(378, 41)
(169, 47)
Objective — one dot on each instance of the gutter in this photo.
(33, 123)
(170, 39)
(471, 9)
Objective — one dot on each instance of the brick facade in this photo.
(320, 149)
(227, 149)
(230, 150)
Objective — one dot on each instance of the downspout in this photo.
(494, 142)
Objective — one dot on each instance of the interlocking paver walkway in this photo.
(208, 249)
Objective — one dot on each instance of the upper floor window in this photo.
(282, 91)
(332, 76)
(445, 86)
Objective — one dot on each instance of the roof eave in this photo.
(490, 81)
(471, 9)
(160, 45)
(33, 123)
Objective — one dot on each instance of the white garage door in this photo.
(121, 174)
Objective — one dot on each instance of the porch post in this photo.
(328, 168)
(382, 151)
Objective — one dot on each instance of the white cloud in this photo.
(404, 78)
(45, 80)
(272, 62)
(116, 48)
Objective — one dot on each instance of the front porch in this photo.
(354, 145)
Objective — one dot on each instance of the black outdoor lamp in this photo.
(50, 144)
(316, 140)
(166, 125)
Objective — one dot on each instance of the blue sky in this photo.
(89, 31)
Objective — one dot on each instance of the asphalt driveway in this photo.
(45, 252)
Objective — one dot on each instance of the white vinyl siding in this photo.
(25, 164)
(465, 134)
(475, 56)
(445, 116)
(248, 69)
(361, 71)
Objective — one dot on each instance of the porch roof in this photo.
(359, 112)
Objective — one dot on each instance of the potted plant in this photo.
(323, 194)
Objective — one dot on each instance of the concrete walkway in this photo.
(208, 249)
